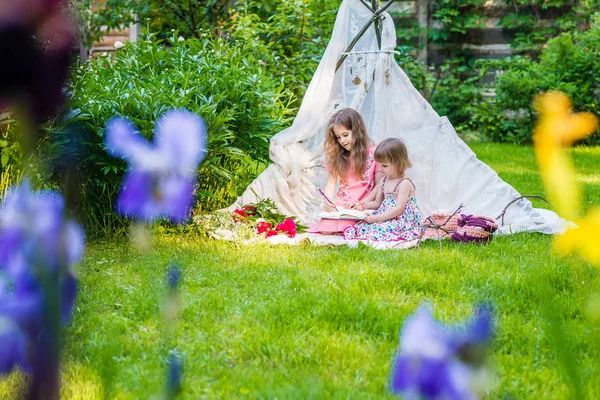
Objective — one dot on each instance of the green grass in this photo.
(323, 322)
(517, 165)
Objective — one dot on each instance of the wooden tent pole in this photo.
(368, 6)
(378, 25)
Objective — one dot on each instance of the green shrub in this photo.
(190, 18)
(10, 153)
(290, 36)
(444, 86)
(568, 63)
(222, 82)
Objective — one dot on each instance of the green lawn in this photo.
(323, 322)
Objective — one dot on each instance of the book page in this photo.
(344, 213)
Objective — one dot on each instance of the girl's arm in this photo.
(361, 205)
(404, 190)
(371, 197)
(329, 189)
(374, 199)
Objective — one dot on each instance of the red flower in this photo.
(272, 232)
(263, 226)
(249, 210)
(238, 215)
(288, 226)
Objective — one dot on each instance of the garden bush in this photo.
(10, 153)
(568, 63)
(190, 17)
(290, 36)
(450, 87)
(242, 106)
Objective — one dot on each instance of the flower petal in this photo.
(15, 202)
(24, 306)
(423, 336)
(136, 198)
(553, 103)
(557, 172)
(423, 377)
(74, 240)
(584, 238)
(68, 293)
(10, 241)
(123, 140)
(181, 139)
(459, 384)
(581, 125)
(481, 326)
(13, 347)
(177, 197)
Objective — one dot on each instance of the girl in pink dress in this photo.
(349, 155)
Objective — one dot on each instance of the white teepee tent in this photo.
(445, 171)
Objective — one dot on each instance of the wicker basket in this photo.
(474, 228)
(440, 225)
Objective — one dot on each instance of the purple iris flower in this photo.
(13, 347)
(37, 250)
(162, 175)
(33, 231)
(430, 362)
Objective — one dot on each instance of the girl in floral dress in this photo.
(350, 158)
(397, 216)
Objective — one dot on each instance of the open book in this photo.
(344, 213)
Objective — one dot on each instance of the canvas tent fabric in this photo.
(445, 171)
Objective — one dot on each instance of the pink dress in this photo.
(353, 188)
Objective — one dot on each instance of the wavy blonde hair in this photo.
(339, 160)
(393, 151)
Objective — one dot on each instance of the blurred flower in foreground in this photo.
(557, 128)
(585, 239)
(171, 311)
(436, 361)
(38, 67)
(38, 248)
(175, 362)
(33, 232)
(13, 347)
(175, 369)
(161, 178)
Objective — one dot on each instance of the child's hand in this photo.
(358, 205)
(370, 219)
(328, 207)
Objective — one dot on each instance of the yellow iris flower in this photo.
(585, 239)
(557, 128)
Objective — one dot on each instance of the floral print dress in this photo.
(404, 227)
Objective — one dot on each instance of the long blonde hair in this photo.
(340, 160)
